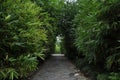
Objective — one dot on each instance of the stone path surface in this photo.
(58, 67)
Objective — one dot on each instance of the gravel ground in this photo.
(58, 67)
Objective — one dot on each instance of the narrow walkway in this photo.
(58, 68)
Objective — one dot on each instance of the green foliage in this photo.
(8, 73)
(67, 30)
(102, 77)
(28, 30)
(87, 29)
(58, 44)
(24, 69)
(26, 35)
(55, 10)
(23, 26)
(114, 76)
(18, 67)
(97, 33)
(57, 49)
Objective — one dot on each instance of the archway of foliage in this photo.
(90, 30)
(91, 36)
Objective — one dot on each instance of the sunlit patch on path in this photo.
(57, 54)
(58, 67)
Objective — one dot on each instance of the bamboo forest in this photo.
(59, 39)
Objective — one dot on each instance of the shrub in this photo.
(24, 34)
(114, 76)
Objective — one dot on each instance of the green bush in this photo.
(24, 37)
(114, 76)
(102, 77)
(97, 34)
(18, 68)
(21, 29)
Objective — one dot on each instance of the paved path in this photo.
(58, 68)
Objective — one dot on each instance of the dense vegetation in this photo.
(96, 28)
(90, 31)
(26, 37)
